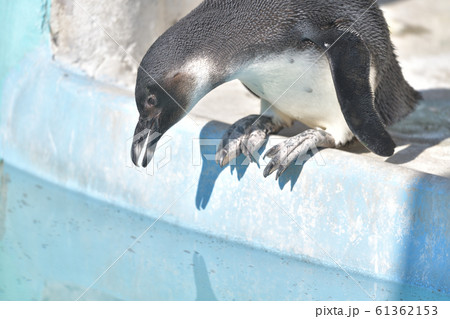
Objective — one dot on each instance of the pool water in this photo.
(55, 243)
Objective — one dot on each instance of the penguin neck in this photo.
(204, 75)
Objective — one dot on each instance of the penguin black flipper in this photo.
(349, 60)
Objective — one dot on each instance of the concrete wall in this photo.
(107, 39)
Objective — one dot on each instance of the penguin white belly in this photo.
(299, 85)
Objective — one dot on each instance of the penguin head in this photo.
(169, 83)
(161, 101)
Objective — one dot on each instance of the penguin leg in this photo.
(246, 136)
(285, 153)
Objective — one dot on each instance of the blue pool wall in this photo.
(76, 132)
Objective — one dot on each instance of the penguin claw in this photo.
(280, 171)
(222, 158)
(270, 168)
(245, 137)
(228, 152)
(272, 151)
(292, 149)
(236, 147)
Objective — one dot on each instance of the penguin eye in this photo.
(152, 101)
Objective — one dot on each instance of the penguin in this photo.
(328, 64)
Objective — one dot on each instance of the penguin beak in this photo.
(146, 136)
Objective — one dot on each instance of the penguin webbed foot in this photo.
(287, 152)
(246, 136)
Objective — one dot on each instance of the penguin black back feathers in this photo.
(328, 64)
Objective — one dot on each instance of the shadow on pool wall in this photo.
(202, 282)
(210, 135)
